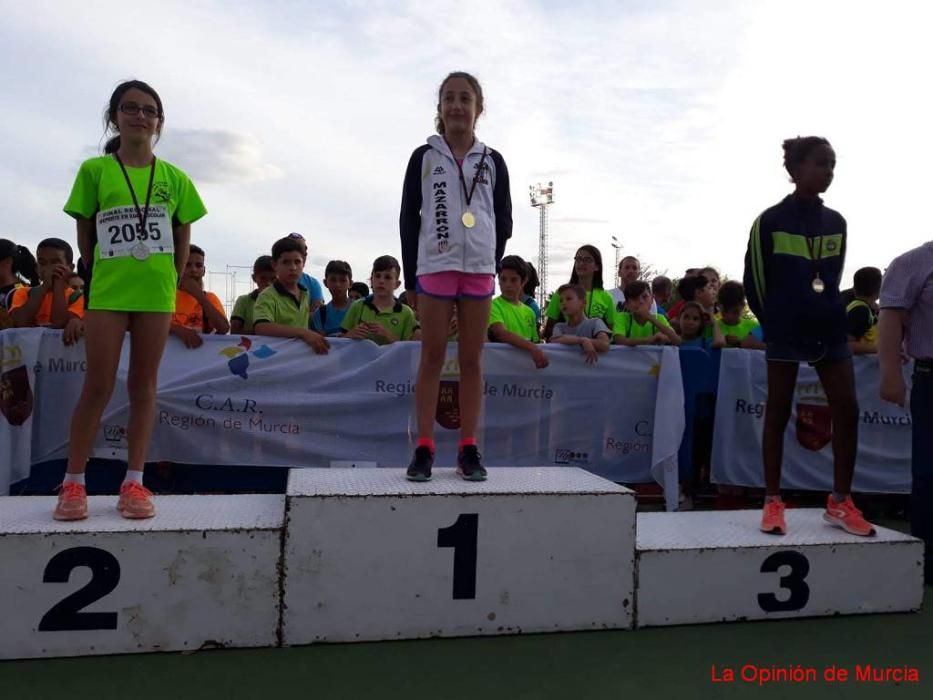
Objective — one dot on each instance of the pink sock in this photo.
(471, 441)
(425, 442)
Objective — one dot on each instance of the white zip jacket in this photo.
(434, 238)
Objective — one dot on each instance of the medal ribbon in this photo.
(479, 170)
(811, 247)
(142, 214)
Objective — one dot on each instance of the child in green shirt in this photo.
(736, 329)
(241, 321)
(282, 310)
(381, 317)
(637, 325)
(510, 319)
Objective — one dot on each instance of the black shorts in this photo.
(812, 352)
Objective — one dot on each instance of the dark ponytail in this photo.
(24, 264)
(110, 114)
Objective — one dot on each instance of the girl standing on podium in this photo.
(134, 214)
(794, 262)
(455, 219)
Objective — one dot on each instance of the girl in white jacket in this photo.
(455, 219)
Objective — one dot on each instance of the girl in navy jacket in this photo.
(793, 266)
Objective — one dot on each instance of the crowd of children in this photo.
(44, 290)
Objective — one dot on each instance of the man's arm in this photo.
(890, 339)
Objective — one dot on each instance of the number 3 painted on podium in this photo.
(793, 582)
(66, 615)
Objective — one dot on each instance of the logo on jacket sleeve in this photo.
(439, 170)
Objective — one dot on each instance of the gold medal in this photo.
(818, 285)
(468, 219)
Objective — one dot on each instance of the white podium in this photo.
(203, 572)
(717, 566)
(371, 556)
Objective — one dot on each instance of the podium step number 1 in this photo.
(371, 556)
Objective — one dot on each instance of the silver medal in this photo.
(818, 285)
(140, 251)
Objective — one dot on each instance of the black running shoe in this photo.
(468, 464)
(421, 463)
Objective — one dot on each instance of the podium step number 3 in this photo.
(204, 572)
(737, 572)
(369, 555)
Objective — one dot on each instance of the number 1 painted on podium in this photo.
(462, 536)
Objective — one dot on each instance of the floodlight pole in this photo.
(542, 196)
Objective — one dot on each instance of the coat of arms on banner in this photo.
(15, 392)
(814, 417)
(448, 397)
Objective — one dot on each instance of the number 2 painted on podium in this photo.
(793, 582)
(462, 537)
(66, 615)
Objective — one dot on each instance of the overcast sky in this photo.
(659, 122)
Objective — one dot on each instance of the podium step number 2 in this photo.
(204, 572)
(371, 556)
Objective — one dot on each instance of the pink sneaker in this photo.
(135, 501)
(72, 502)
(847, 516)
(772, 518)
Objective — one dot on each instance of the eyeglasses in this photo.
(584, 259)
(132, 109)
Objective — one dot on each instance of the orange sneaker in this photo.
(772, 518)
(845, 515)
(72, 502)
(134, 501)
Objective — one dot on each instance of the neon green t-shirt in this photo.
(599, 304)
(399, 321)
(741, 330)
(120, 281)
(517, 317)
(628, 327)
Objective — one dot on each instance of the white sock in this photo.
(133, 475)
(74, 478)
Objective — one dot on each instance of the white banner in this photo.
(250, 400)
(883, 462)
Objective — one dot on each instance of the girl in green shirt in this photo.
(588, 273)
(134, 216)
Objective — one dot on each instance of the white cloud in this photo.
(659, 122)
(217, 157)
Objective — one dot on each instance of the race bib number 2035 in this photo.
(119, 231)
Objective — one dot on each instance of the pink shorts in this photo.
(457, 285)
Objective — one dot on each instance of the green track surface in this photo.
(672, 662)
